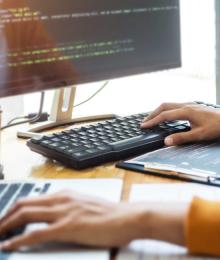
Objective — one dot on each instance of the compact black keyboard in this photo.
(106, 141)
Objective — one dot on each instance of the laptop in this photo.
(10, 192)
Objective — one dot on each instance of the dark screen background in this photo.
(52, 43)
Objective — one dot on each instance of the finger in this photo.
(162, 108)
(26, 216)
(182, 138)
(41, 201)
(177, 114)
(44, 200)
(30, 239)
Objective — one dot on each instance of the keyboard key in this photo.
(181, 128)
(54, 145)
(2, 188)
(93, 151)
(7, 196)
(45, 188)
(90, 146)
(104, 148)
(37, 140)
(62, 148)
(80, 155)
(135, 141)
(46, 143)
(78, 148)
(25, 191)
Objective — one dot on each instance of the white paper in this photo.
(163, 193)
(68, 255)
(108, 189)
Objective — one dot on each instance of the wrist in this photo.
(160, 222)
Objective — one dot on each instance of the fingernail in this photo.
(169, 141)
(146, 119)
(144, 125)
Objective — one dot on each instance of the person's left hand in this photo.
(73, 218)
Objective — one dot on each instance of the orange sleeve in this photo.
(203, 227)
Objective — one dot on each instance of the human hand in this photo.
(205, 122)
(73, 218)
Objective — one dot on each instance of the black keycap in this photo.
(37, 140)
(93, 151)
(132, 142)
(55, 140)
(65, 137)
(62, 148)
(80, 155)
(54, 145)
(79, 149)
(46, 143)
(104, 147)
(181, 128)
(90, 146)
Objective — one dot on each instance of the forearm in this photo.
(162, 222)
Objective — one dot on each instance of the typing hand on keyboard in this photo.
(204, 120)
(111, 140)
(9, 195)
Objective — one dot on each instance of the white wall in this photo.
(11, 107)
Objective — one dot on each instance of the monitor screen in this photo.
(54, 43)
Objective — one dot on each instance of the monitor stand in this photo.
(62, 114)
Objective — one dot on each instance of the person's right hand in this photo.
(77, 219)
(205, 121)
(80, 219)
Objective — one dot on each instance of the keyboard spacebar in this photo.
(136, 141)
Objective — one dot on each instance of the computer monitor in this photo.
(47, 44)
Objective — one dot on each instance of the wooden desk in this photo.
(21, 163)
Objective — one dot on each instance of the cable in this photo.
(32, 120)
(16, 118)
(93, 95)
(38, 116)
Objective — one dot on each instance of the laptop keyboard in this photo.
(10, 193)
(106, 141)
